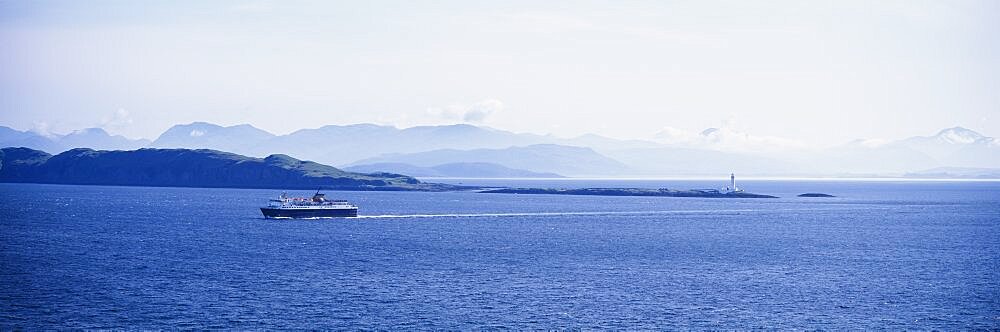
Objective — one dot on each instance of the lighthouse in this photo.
(732, 183)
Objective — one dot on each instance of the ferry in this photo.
(318, 206)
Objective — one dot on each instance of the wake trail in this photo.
(585, 213)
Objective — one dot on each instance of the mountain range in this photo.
(95, 138)
(957, 173)
(547, 158)
(710, 152)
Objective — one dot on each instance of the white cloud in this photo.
(475, 113)
(42, 128)
(552, 22)
(872, 142)
(254, 7)
(561, 23)
(120, 119)
(726, 138)
(671, 135)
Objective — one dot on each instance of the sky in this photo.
(810, 72)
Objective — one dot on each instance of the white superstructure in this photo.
(318, 201)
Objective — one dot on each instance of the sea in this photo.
(921, 255)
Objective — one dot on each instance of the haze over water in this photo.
(898, 255)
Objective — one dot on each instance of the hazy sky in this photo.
(815, 71)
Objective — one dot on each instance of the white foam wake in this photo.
(546, 214)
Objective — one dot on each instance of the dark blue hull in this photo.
(308, 213)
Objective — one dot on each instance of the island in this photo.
(193, 168)
(816, 195)
(663, 192)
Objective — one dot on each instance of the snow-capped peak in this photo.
(959, 135)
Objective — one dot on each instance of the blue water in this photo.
(896, 255)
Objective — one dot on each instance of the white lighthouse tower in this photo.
(732, 183)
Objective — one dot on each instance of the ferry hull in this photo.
(308, 213)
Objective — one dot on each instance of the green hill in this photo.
(191, 168)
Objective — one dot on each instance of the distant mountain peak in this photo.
(90, 131)
(206, 126)
(709, 131)
(590, 136)
(238, 138)
(452, 128)
(959, 135)
(199, 124)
